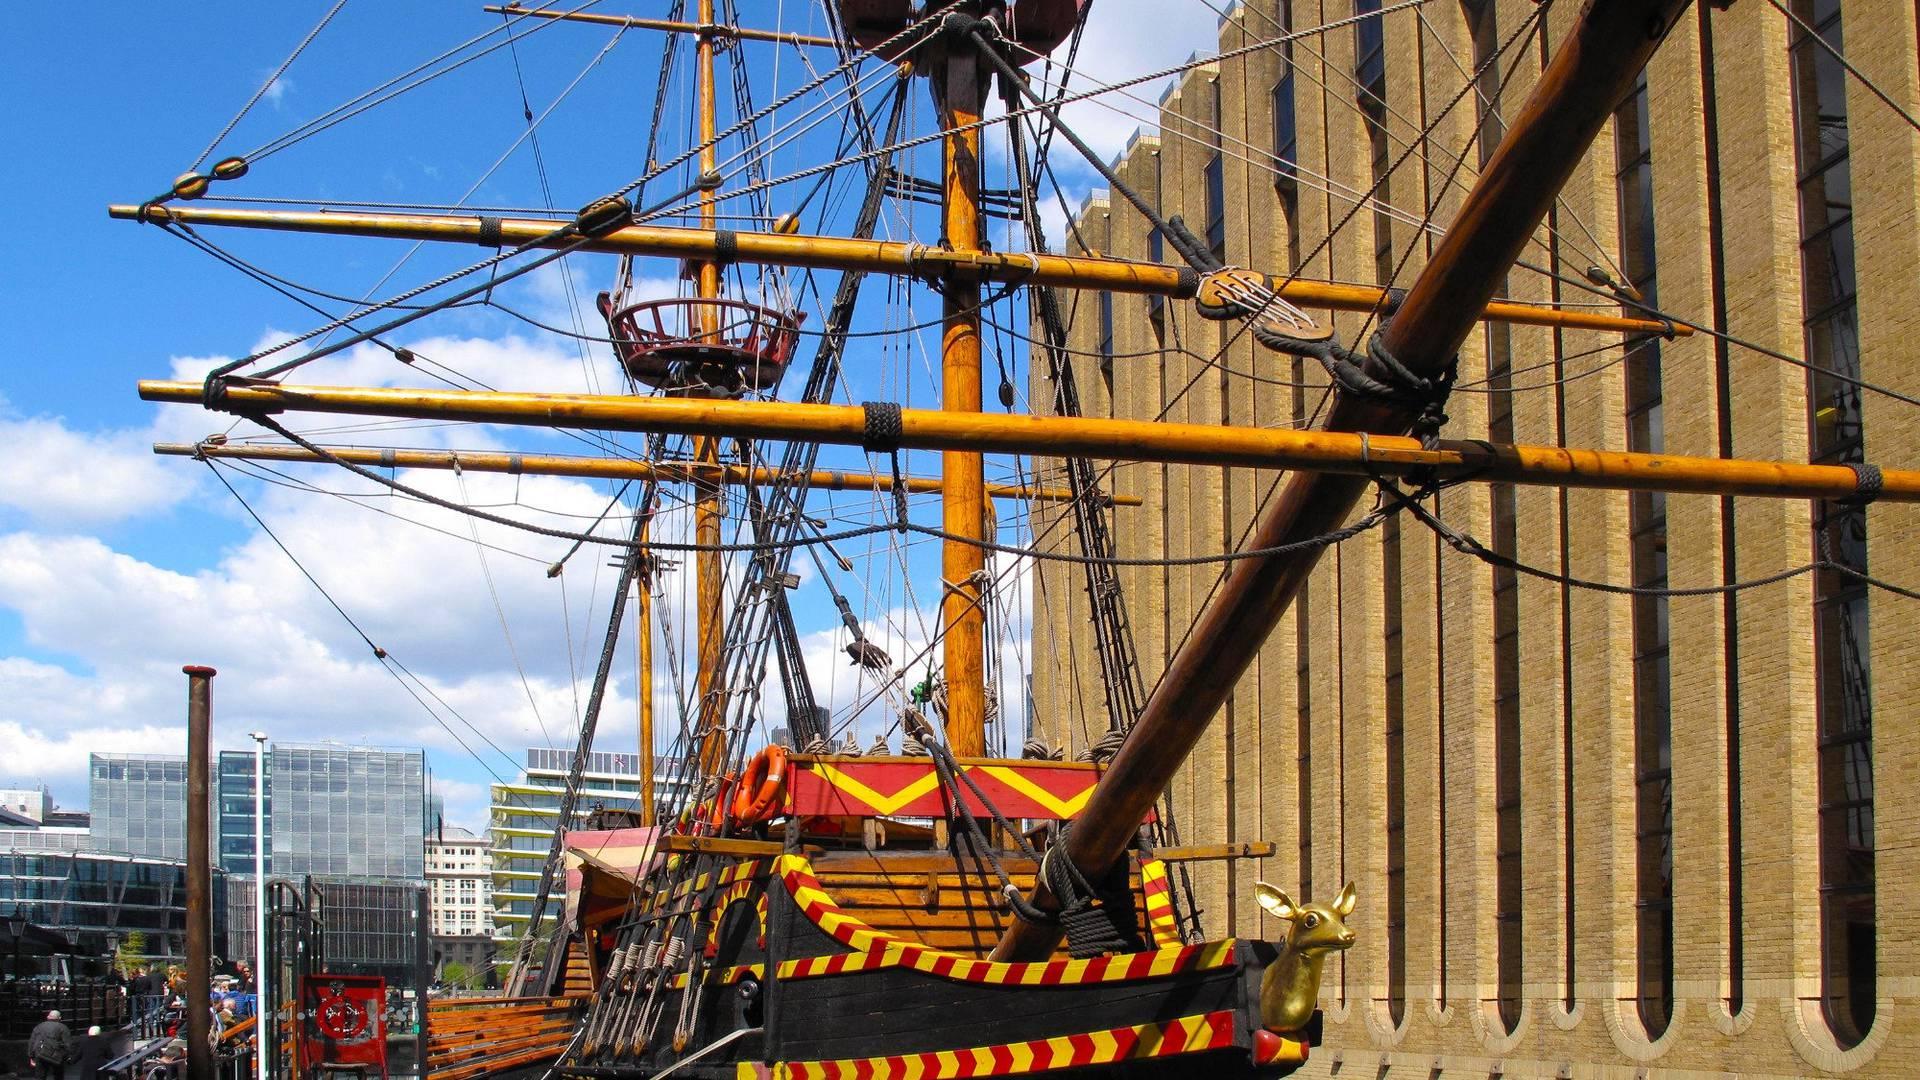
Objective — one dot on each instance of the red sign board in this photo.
(343, 1022)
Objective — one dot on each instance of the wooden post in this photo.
(199, 1020)
(961, 88)
(1593, 69)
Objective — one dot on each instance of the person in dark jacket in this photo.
(50, 1047)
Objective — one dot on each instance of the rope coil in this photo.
(883, 427)
(1868, 483)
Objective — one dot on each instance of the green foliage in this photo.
(132, 954)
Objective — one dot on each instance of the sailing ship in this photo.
(943, 906)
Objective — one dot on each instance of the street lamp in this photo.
(261, 1015)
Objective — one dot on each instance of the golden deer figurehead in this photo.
(1291, 986)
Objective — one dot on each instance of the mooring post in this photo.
(199, 1022)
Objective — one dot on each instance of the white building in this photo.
(526, 812)
(34, 803)
(459, 884)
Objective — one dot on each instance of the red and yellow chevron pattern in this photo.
(883, 787)
(1186, 1035)
(1159, 895)
(875, 949)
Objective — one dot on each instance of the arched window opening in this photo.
(1836, 434)
(1647, 516)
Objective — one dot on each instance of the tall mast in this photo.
(961, 88)
(708, 509)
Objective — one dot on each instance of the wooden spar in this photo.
(708, 508)
(719, 30)
(959, 88)
(604, 468)
(1593, 68)
(840, 253)
(1334, 452)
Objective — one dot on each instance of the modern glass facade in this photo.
(234, 805)
(139, 804)
(346, 812)
(95, 899)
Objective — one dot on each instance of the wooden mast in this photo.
(843, 253)
(960, 88)
(1596, 63)
(708, 509)
(1333, 452)
(615, 468)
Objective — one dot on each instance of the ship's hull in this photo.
(794, 984)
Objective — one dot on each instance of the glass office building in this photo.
(344, 812)
(233, 801)
(139, 804)
(97, 900)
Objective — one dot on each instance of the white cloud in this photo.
(59, 476)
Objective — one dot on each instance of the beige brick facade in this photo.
(1746, 879)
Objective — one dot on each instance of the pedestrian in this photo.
(50, 1047)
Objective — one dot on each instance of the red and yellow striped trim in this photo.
(1159, 894)
(729, 896)
(1186, 1035)
(726, 875)
(876, 949)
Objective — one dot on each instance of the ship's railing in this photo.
(469, 1038)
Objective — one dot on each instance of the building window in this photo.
(1106, 336)
(1652, 682)
(1303, 724)
(1216, 208)
(1482, 23)
(1286, 138)
(1156, 252)
(1216, 179)
(1396, 772)
(1508, 868)
(1370, 58)
(1836, 434)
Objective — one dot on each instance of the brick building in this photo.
(1591, 833)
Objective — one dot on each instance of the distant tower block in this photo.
(1039, 25)
(702, 347)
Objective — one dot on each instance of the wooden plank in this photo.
(482, 1068)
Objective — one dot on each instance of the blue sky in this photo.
(116, 567)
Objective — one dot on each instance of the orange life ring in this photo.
(758, 795)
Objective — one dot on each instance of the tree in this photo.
(132, 953)
(454, 973)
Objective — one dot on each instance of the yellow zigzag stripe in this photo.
(885, 804)
(1058, 807)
